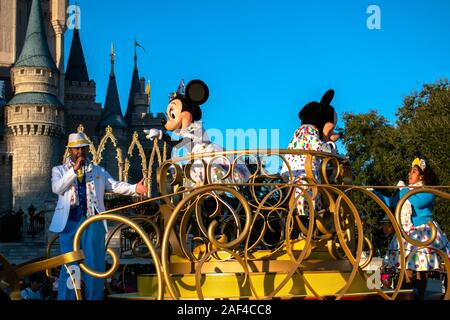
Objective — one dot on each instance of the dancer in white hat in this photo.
(80, 186)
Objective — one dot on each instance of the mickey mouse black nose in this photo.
(163, 121)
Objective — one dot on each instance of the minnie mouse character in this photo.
(183, 118)
(318, 120)
(322, 116)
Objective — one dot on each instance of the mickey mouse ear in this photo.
(197, 91)
(327, 98)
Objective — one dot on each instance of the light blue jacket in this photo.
(422, 205)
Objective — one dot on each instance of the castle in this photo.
(42, 101)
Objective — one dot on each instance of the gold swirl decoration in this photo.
(115, 259)
(155, 235)
(186, 204)
(399, 232)
(11, 274)
(213, 220)
(335, 226)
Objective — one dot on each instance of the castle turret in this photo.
(58, 21)
(35, 117)
(112, 113)
(138, 99)
(80, 91)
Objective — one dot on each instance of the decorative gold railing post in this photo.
(136, 143)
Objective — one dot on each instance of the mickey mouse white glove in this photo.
(329, 147)
(401, 183)
(153, 133)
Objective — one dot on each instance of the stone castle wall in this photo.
(5, 182)
(35, 119)
(35, 80)
(81, 107)
(34, 157)
(37, 145)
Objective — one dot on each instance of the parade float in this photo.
(219, 238)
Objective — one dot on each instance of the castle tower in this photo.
(35, 117)
(112, 117)
(80, 92)
(14, 16)
(136, 116)
(139, 118)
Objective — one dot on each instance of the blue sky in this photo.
(263, 60)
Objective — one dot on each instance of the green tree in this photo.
(381, 153)
(424, 127)
(369, 140)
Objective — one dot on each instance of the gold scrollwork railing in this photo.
(337, 224)
(209, 214)
(12, 274)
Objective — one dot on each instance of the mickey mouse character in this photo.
(318, 120)
(182, 112)
(183, 116)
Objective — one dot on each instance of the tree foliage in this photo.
(381, 153)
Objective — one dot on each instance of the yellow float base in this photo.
(232, 285)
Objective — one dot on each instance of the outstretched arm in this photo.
(420, 200)
(119, 187)
(389, 201)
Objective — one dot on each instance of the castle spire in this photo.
(35, 73)
(112, 112)
(113, 58)
(76, 66)
(35, 51)
(136, 90)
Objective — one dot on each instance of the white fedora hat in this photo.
(77, 140)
